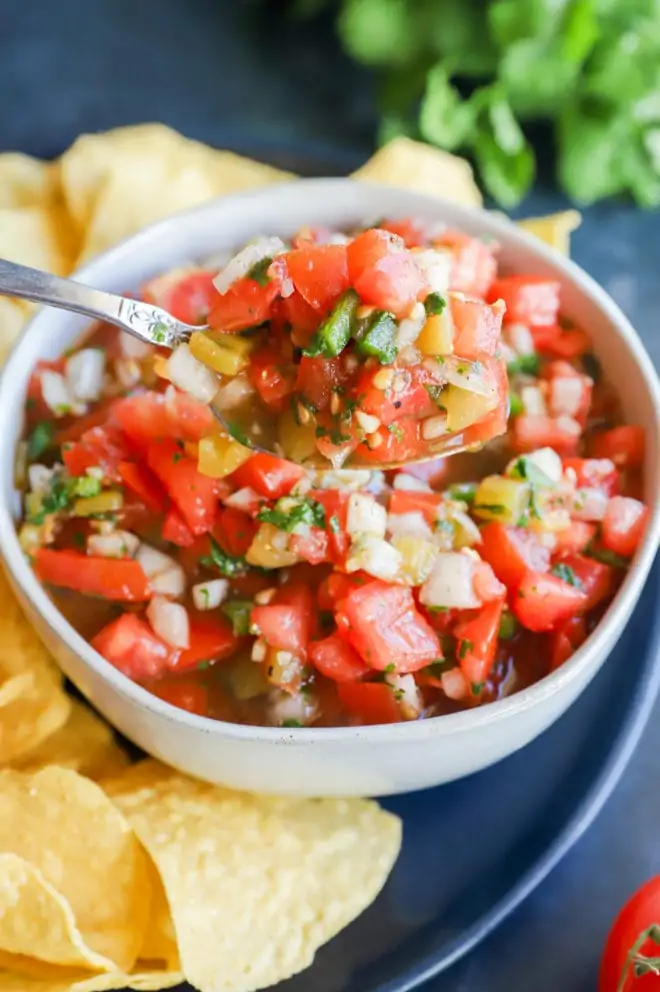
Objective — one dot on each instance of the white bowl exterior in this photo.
(334, 761)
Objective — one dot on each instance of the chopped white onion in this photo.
(287, 289)
(455, 684)
(367, 422)
(436, 264)
(462, 374)
(533, 401)
(287, 708)
(245, 499)
(451, 583)
(365, 516)
(410, 524)
(434, 427)
(345, 479)
(234, 393)
(407, 695)
(410, 327)
(565, 396)
(84, 372)
(259, 650)
(128, 371)
(191, 375)
(589, 504)
(521, 338)
(165, 575)
(376, 557)
(169, 621)
(546, 460)
(134, 348)
(568, 425)
(116, 544)
(407, 483)
(240, 264)
(40, 478)
(55, 392)
(209, 595)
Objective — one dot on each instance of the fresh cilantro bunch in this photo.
(471, 75)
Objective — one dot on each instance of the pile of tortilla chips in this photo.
(115, 875)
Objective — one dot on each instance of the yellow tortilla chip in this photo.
(33, 704)
(85, 744)
(12, 319)
(24, 181)
(37, 977)
(65, 827)
(35, 920)
(555, 229)
(37, 236)
(412, 165)
(119, 182)
(256, 884)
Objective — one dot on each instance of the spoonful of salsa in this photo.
(336, 350)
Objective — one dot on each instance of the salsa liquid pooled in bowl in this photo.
(246, 588)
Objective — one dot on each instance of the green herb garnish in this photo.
(259, 271)
(223, 562)
(238, 611)
(566, 574)
(290, 512)
(464, 492)
(39, 440)
(524, 365)
(434, 304)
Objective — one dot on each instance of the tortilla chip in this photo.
(47, 978)
(33, 704)
(255, 884)
(85, 744)
(554, 229)
(412, 165)
(116, 183)
(24, 181)
(65, 827)
(35, 920)
(12, 319)
(37, 236)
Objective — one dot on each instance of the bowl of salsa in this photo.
(393, 628)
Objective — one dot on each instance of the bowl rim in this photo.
(584, 660)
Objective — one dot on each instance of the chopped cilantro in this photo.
(39, 440)
(376, 337)
(56, 499)
(84, 486)
(524, 364)
(238, 433)
(607, 557)
(464, 647)
(566, 574)
(509, 626)
(238, 612)
(287, 514)
(224, 563)
(434, 304)
(516, 406)
(333, 334)
(463, 491)
(435, 392)
(390, 669)
(291, 723)
(524, 467)
(259, 271)
(477, 688)
(396, 430)
(496, 508)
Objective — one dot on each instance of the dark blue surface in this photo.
(268, 87)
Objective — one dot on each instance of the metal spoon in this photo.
(156, 326)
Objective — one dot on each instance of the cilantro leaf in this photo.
(288, 513)
(39, 440)
(222, 562)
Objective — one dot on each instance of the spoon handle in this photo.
(142, 320)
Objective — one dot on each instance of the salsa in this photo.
(246, 587)
(344, 349)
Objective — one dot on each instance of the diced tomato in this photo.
(189, 419)
(477, 643)
(271, 376)
(286, 623)
(235, 531)
(337, 660)
(119, 579)
(369, 248)
(188, 298)
(142, 483)
(427, 504)
(369, 702)
(312, 547)
(176, 530)
(318, 378)
(247, 303)
(623, 525)
(145, 417)
(487, 587)
(623, 445)
(337, 586)
(512, 551)
(575, 538)
(100, 447)
(319, 273)
(385, 627)
(268, 475)
(130, 645)
(302, 317)
(478, 326)
(561, 342)
(211, 639)
(394, 283)
(411, 399)
(532, 432)
(569, 395)
(410, 231)
(474, 266)
(185, 692)
(192, 493)
(594, 473)
(595, 579)
(566, 640)
(98, 417)
(531, 300)
(543, 601)
(36, 403)
(398, 442)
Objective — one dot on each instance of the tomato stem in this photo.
(641, 964)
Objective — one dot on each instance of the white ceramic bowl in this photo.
(337, 761)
